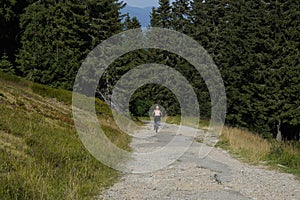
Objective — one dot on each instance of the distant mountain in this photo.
(142, 14)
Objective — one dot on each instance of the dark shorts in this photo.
(156, 118)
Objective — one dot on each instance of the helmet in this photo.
(156, 107)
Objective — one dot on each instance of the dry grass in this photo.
(247, 145)
(292, 148)
(252, 148)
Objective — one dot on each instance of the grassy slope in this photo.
(252, 148)
(41, 155)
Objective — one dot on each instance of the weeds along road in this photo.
(217, 176)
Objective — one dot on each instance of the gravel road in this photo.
(217, 176)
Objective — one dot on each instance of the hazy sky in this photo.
(142, 3)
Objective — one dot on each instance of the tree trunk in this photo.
(278, 136)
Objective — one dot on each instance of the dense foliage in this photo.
(55, 36)
(254, 43)
(10, 11)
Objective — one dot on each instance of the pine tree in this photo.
(10, 11)
(105, 19)
(54, 42)
(180, 15)
(154, 20)
(5, 65)
(131, 23)
(161, 16)
(255, 44)
(59, 34)
(244, 59)
(256, 64)
(284, 72)
(198, 23)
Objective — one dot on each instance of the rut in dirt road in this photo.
(217, 176)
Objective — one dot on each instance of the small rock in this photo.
(217, 178)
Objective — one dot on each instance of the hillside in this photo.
(41, 155)
(142, 14)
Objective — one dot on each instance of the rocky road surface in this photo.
(217, 176)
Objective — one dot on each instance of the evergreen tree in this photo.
(179, 19)
(105, 19)
(10, 11)
(198, 23)
(5, 65)
(284, 72)
(131, 23)
(161, 16)
(154, 21)
(54, 42)
(59, 34)
(208, 23)
(255, 61)
(180, 15)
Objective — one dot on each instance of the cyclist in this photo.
(157, 114)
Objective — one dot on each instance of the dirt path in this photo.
(218, 176)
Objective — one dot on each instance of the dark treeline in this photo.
(255, 44)
(47, 40)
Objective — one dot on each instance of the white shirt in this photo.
(157, 113)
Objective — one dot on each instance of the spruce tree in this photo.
(59, 34)
(54, 42)
(10, 11)
(180, 15)
(131, 23)
(255, 62)
(5, 65)
(284, 72)
(105, 19)
(154, 21)
(161, 16)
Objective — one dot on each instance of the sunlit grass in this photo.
(40, 152)
(249, 146)
(254, 149)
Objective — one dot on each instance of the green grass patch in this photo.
(59, 94)
(40, 152)
(14, 79)
(285, 155)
